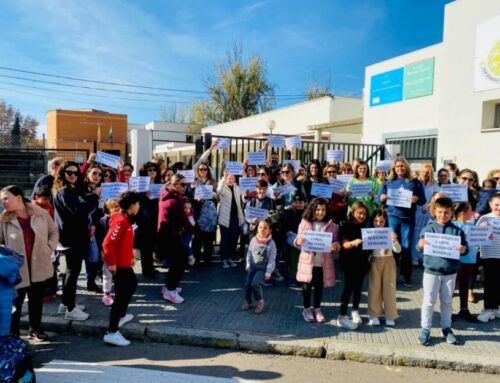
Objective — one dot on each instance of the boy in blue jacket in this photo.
(440, 272)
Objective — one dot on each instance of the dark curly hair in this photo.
(60, 181)
(310, 211)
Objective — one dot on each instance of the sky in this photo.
(175, 44)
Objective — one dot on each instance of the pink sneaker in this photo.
(107, 300)
(172, 296)
(320, 318)
(308, 315)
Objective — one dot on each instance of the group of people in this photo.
(68, 216)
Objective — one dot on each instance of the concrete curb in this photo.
(311, 348)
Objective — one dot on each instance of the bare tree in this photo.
(28, 125)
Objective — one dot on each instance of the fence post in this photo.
(382, 152)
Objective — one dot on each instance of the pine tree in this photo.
(16, 133)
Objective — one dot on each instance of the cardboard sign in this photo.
(234, 167)
(203, 192)
(188, 175)
(384, 165)
(316, 241)
(338, 186)
(255, 212)
(248, 183)
(457, 192)
(256, 158)
(344, 177)
(276, 141)
(442, 245)
(479, 235)
(295, 163)
(113, 189)
(335, 155)
(284, 189)
(107, 159)
(377, 238)
(321, 190)
(362, 189)
(399, 197)
(223, 143)
(139, 184)
(156, 190)
(293, 142)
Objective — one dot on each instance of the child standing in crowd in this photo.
(354, 261)
(260, 263)
(316, 269)
(439, 273)
(118, 254)
(291, 227)
(466, 270)
(187, 235)
(488, 189)
(43, 198)
(490, 257)
(382, 278)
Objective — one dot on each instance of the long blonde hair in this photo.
(428, 167)
(393, 175)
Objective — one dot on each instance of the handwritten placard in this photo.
(399, 197)
(344, 177)
(276, 141)
(293, 142)
(234, 167)
(479, 235)
(321, 190)
(187, 174)
(107, 159)
(139, 184)
(377, 238)
(295, 163)
(223, 143)
(457, 192)
(384, 165)
(203, 192)
(338, 185)
(256, 158)
(442, 245)
(155, 190)
(255, 212)
(335, 155)
(284, 189)
(248, 183)
(113, 189)
(362, 189)
(317, 241)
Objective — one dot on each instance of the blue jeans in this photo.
(229, 239)
(252, 285)
(404, 228)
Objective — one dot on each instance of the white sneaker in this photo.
(172, 296)
(191, 260)
(374, 321)
(486, 315)
(62, 309)
(76, 314)
(164, 290)
(115, 338)
(356, 318)
(345, 322)
(390, 322)
(127, 318)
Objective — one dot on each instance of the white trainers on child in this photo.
(373, 321)
(116, 339)
(62, 308)
(127, 318)
(486, 316)
(172, 296)
(390, 322)
(76, 314)
(345, 322)
(356, 318)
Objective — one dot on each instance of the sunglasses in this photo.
(151, 170)
(285, 171)
(467, 179)
(71, 173)
(496, 178)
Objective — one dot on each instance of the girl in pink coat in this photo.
(316, 269)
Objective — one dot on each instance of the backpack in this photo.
(15, 363)
(207, 221)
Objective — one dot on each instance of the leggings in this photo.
(125, 285)
(74, 257)
(317, 283)
(354, 274)
(465, 274)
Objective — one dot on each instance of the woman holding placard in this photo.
(402, 217)
(337, 206)
(468, 177)
(314, 174)
(361, 175)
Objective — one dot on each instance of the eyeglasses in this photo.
(151, 170)
(467, 179)
(202, 169)
(285, 171)
(71, 173)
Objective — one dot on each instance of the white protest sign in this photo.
(399, 197)
(284, 189)
(495, 225)
(256, 158)
(255, 212)
(362, 189)
(155, 190)
(113, 189)
(479, 235)
(457, 192)
(203, 192)
(276, 141)
(442, 245)
(384, 165)
(338, 185)
(223, 143)
(187, 174)
(321, 190)
(248, 183)
(335, 155)
(234, 167)
(376, 238)
(317, 241)
(293, 142)
(498, 187)
(139, 184)
(295, 163)
(344, 177)
(107, 159)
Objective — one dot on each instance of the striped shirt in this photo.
(492, 251)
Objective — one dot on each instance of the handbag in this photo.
(93, 254)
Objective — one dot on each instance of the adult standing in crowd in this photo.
(72, 208)
(48, 179)
(495, 174)
(361, 175)
(402, 219)
(314, 174)
(468, 177)
(29, 230)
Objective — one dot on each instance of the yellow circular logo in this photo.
(493, 63)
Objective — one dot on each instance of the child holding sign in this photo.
(316, 269)
(440, 272)
(382, 278)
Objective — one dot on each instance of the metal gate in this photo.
(417, 149)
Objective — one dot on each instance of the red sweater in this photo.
(119, 242)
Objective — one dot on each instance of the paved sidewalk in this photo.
(211, 316)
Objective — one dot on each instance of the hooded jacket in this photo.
(172, 220)
(118, 244)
